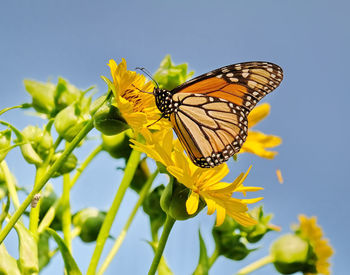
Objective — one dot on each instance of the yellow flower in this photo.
(309, 230)
(258, 142)
(203, 183)
(137, 108)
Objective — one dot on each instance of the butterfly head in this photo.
(164, 101)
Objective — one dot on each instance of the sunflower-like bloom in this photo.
(309, 230)
(258, 142)
(134, 98)
(204, 183)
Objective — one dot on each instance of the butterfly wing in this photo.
(211, 118)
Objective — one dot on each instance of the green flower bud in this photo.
(70, 121)
(40, 140)
(5, 143)
(56, 224)
(291, 254)
(256, 232)
(173, 201)
(65, 94)
(169, 75)
(30, 155)
(48, 199)
(89, 220)
(68, 166)
(118, 145)
(42, 95)
(229, 240)
(151, 204)
(109, 120)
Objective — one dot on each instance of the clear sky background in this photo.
(310, 40)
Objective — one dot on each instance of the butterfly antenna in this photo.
(148, 74)
(155, 121)
(141, 90)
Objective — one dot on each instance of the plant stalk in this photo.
(129, 172)
(256, 265)
(144, 192)
(169, 222)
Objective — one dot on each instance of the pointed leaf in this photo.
(28, 250)
(203, 263)
(8, 264)
(69, 262)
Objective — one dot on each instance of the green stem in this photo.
(144, 192)
(11, 186)
(34, 212)
(129, 172)
(50, 214)
(214, 257)
(169, 222)
(10, 108)
(256, 265)
(66, 215)
(43, 180)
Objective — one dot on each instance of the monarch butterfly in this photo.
(209, 113)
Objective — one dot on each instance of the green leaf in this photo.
(28, 250)
(163, 268)
(8, 264)
(65, 94)
(69, 263)
(109, 83)
(169, 75)
(203, 263)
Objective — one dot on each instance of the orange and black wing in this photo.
(243, 84)
(211, 118)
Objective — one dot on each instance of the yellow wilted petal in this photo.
(192, 203)
(258, 113)
(279, 176)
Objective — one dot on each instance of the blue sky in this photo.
(310, 40)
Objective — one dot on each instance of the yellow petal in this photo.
(248, 189)
(220, 215)
(249, 201)
(258, 114)
(192, 203)
(211, 205)
(242, 218)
